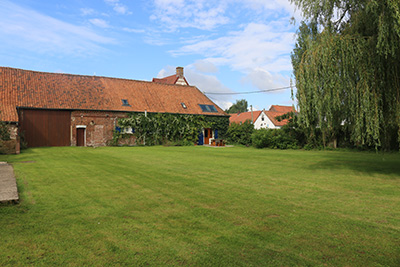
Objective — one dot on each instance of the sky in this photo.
(226, 46)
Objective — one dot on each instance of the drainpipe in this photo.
(252, 119)
(144, 137)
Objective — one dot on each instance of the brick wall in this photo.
(13, 131)
(99, 127)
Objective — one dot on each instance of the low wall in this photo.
(9, 147)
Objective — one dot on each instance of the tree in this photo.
(347, 70)
(239, 106)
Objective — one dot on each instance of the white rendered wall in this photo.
(266, 123)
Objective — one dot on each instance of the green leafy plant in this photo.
(163, 128)
(274, 138)
(240, 133)
(4, 131)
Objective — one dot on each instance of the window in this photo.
(208, 108)
(125, 130)
(125, 102)
(262, 117)
(183, 105)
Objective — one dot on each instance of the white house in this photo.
(263, 118)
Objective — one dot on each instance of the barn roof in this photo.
(33, 89)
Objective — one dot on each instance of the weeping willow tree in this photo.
(347, 69)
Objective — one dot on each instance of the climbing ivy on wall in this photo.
(162, 128)
(4, 132)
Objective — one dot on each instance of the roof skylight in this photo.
(125, 102)
(208, 108)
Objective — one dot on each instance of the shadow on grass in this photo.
(388, 165)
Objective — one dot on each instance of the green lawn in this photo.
(202, 206)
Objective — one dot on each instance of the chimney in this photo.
(179, 72)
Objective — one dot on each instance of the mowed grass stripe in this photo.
(202, 206)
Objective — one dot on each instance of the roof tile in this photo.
(32, 89)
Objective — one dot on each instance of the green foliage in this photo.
(162, 128)
(347, 74)
(274, 138)
(217, 122)
(240, 133)
(4, 131)
(240, 106)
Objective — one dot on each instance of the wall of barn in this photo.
(99, 127)
(13, 129)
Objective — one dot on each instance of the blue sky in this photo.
(224, 46)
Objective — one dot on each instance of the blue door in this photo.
(201, 139)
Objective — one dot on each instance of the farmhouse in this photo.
(56, 109)
(263, 118)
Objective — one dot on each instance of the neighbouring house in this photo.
(263, 118)
(57, 109)
(177, 78)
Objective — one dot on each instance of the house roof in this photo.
(272, 115)
(284, 109)
(169, 79)
(244, 116)
(33, 89)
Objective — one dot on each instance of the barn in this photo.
(58, 109)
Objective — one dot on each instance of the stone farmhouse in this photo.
(57, 109)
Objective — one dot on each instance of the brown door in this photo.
(80, 136)
(45, 127)
(207, 136)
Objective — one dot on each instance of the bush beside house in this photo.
(240, 133)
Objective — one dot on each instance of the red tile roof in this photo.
(169, 80)
(285, 109)
(32, 89)
(166, 80)
(244, 116)
(272, 115)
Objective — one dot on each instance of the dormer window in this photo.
(183, 105)
(125, 102)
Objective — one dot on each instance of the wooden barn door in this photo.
(80, 136)
(45, 127)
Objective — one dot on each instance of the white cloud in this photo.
(207, 15)
(87, 11)
(99, 23)
(257, 45)
(118, 7)
(205, 83)
(30, 30)
(199, 14)
(133, 30)
(258, 50)
(205, 66)
(265, 80)
(263, 5)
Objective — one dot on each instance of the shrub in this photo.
(4, 131)
(274, 138)
(240, 133)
